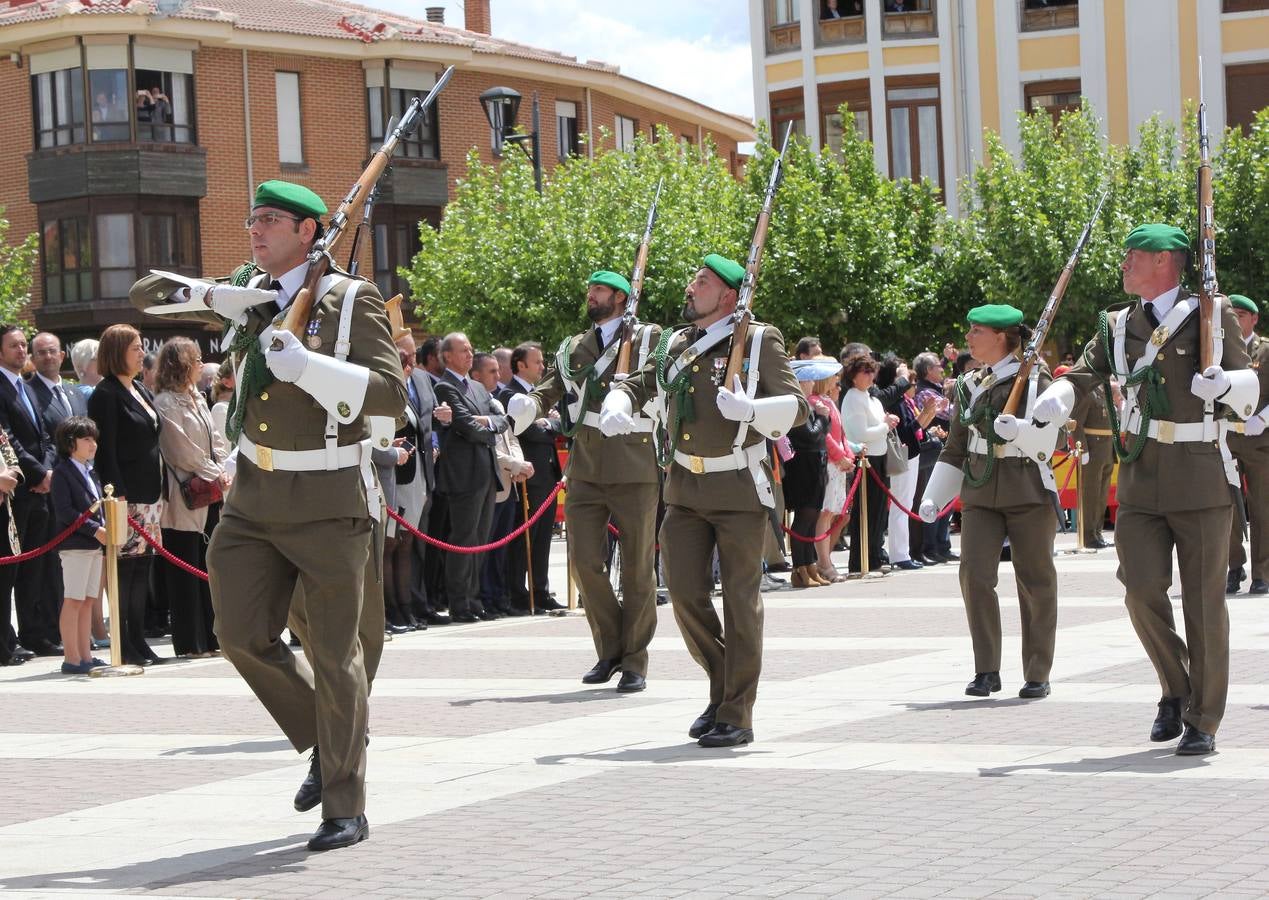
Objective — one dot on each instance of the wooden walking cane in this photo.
(528, 544)
(116, 513)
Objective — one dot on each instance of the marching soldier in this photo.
(302, 504)
(1004, 494)
(1092, 433)
(1173, 488)
(719, 485)
(615, 479)
(1251, 449)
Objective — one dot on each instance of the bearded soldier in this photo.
(301, 508)
(1173, 487)
(719, 485)
(613, 479)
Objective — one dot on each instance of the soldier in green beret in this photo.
(719, 485)
(1169, 424)
(1250, 447)
(1005, 483)
(299, 515)
(609, 480)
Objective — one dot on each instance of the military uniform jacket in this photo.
(1015, 480)
(1178, 476)
(1241, 445)
(1090, 413)
(622, 459)
(707, 433)
(285, 417)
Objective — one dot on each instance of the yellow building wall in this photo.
(910, 56)
(1056, 52)
(840, 63)
(1238, 35)
(785, 71)
(988, 77)
(1116, 72)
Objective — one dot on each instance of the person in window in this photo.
(145, 107)
(161, 106)
(840, 9)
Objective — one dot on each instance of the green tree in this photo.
(17, 265)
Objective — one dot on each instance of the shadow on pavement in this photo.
(240, 747)
(688, 751)
(1003, 703)
(586, 696)
(1147, 762)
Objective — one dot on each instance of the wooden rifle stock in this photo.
(301, 308)
(744, 300)
(631, 317)
(1031, 355)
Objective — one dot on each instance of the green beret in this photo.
(1157, 238)
(294, 198)
(610, 279)
(1238, 301)
(730, 271)
(995, 315)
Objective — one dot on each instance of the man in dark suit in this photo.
(20, 417)
(466, 473)
(538, 443)
(428, 364)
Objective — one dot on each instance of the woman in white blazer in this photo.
(865, 422)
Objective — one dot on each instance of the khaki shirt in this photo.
(1242, 445)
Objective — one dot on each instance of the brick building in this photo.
(117, 183)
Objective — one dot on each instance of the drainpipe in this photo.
(246, 121)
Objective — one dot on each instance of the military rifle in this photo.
(744, 314)
(630, 319)
(1206, 236)
(319, 257)
(1031, 354)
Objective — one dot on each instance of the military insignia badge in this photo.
(312, 338)
(720, 369)
(1160, 335)
(988, 380)
(343, 409)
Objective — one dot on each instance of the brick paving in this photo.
(494, 773)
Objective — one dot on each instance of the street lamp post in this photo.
(501, 104)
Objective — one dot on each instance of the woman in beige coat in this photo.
(191, 446)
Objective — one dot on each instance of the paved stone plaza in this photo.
(495, 773)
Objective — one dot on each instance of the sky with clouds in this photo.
(698, 48)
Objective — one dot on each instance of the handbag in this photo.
(198, 492)
(896, 454)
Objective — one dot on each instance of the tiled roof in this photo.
(314, 18)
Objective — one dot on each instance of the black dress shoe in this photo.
(724, 735)
(335, 833)
(435, 618)
(1034, 690)
(662, 598)
(1235, 580)
(516, 611)
(1258, 586)
(463, 619)
(1195, 742)
(488, 615)
(549, 604)
(631, 683)
(949, 556)
(704, 722)
(10, 660)
(45, 647)
(983, 685)
(21, 654)
(602, 672)
(779, 567)
(1167, 724)
(908, 565)
(310, 792)
(1098, 543)
(393, 628)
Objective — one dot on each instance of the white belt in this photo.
(268, 459)
(1179, 432)
(979, 445)
(642, 424)
(732, 462)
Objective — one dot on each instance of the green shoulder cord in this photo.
(583, 375)
(255, 375)
(681, 409)
(984, 419)
(1154, 399)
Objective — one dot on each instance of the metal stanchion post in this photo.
(116, 514)
(1078, 478)
(863, 517)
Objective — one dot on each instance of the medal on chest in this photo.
(1160, 335)
(311, 336)
(719, 371)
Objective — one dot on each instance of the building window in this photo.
(59, 107)
(908, 18)
(1042, 15)
(856, 95)
(1231, 6)
(627, 128)
(396, 243)
(784, 31)
(566, 128)
(1055, 97)
(787, 106)
(1246, 93)
(67, 247)
(165, 103)
(841, 22)
(389, 93)
(916, 140)
(290, 144)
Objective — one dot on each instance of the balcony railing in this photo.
(909, 24)
(846, 30)
(1047, 16)
(783, 38)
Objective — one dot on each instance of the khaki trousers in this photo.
(730, 651)
(1144, 544)
(1255, 469)
(1095, 486)
(620, 630)
(1030, 530)
(254, 567)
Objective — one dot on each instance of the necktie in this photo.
(276, 285)
(62, 398)
(1151, 315)
(599, 338)
(26, 401)
(413, 392)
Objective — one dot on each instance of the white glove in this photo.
(230, 301)
(929, 511)
(1054, 405)
(1212, 383)
(523, 410)
(1006, 427)
(734, 404)
(285, 356)
(1084, 459)
(615, 415)
(1254, 427)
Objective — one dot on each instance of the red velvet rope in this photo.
(502, 542)
(164, 552)
(850, 497)
(40, 551)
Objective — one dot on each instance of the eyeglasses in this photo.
(267, 219)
